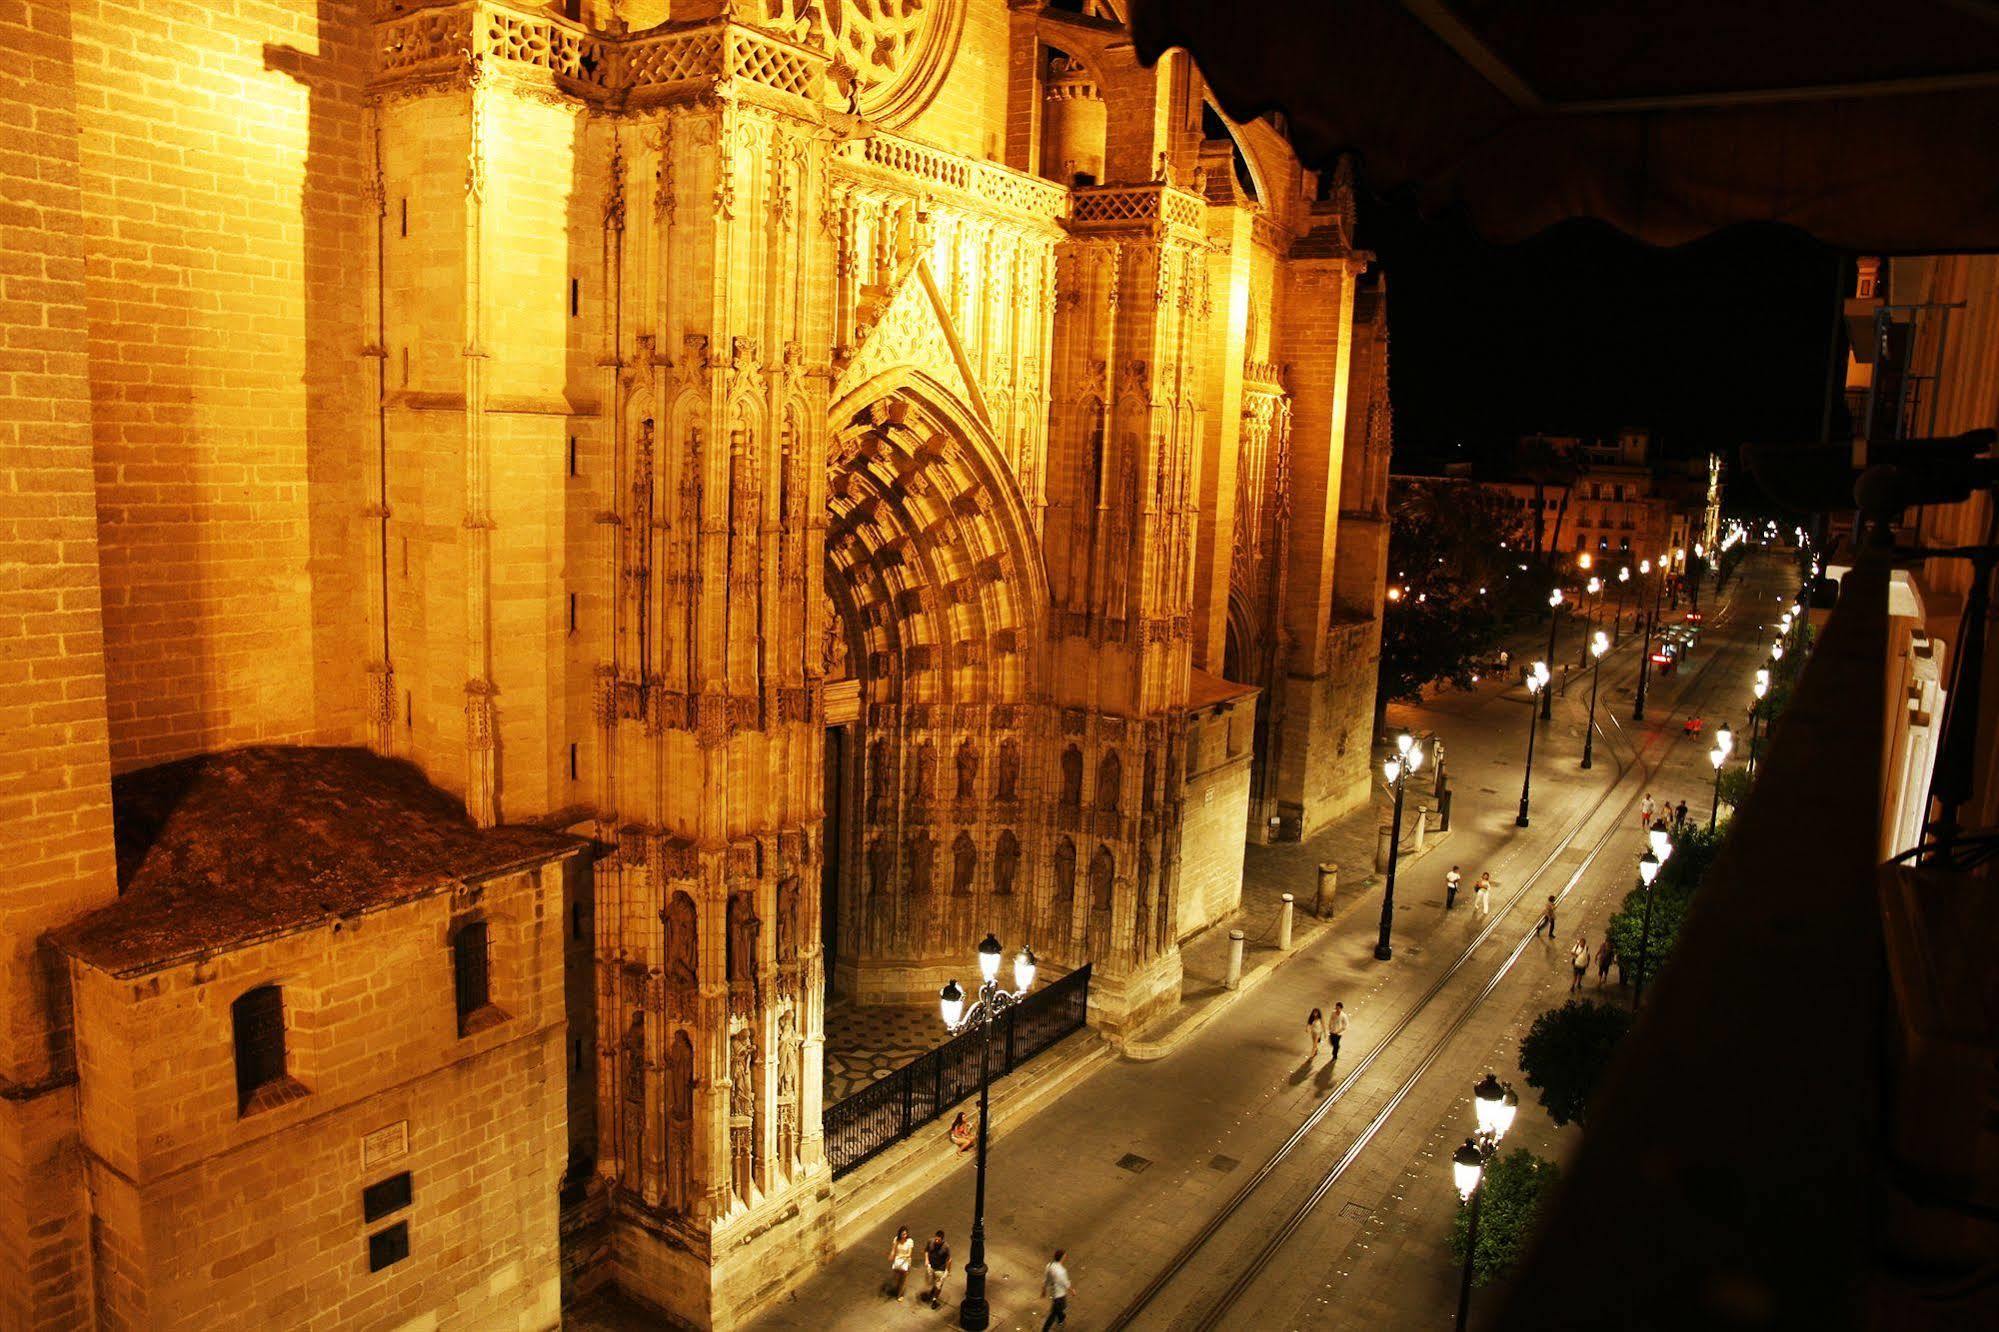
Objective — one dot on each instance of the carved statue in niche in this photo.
(920, 850)
(923, 773)
(877, 779)
(1064, 908)
(680, 1124)
(1140, 933)
(744, 927)
(1006, 862)
(968, 770)
(1072, 777)
(833, 650)
(964, 864)
(787, 1090)
(1009, 772)
(742, 1111)
(787, 921)
(878, 867)
(1151, 779)
(683, 951)
(1103, 875)
(633, 1131)
(1110, 777)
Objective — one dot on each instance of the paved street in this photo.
(1124, 1169)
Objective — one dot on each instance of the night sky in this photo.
(1582, 331)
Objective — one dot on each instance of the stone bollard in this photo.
(1329, 882)
(1422, 827)
(1284, 925)
(1382, 843)
(1235, 960)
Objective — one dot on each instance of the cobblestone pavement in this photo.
(1124, 1167)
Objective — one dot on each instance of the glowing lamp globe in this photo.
(989, 958)
(1466, 1166)
(951, 1000)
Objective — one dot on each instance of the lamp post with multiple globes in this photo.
(1649, 866)
(1554, 620)
(1595, 589)
(1408, 757)
(1760, 689)
(1617, 625)
(1495, 1104)
(1651, 625)
(1537, 684)
(1598, 645)
(974, 1313)
(1724, 741)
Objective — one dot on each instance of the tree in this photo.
(1515, 1188)
(1566, 1051)
(1694, 848)
(1449, 580)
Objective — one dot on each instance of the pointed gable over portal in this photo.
(915, 331)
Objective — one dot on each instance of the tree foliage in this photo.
(1450, 583)
(1694, 849)
(1515, 1189)
(1566, 1051)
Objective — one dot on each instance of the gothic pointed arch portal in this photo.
(939, 599)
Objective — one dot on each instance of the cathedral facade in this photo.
(873, 472)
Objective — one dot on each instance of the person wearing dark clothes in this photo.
(1547, 921)
(936, 1265)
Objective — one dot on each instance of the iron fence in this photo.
(885, 1112)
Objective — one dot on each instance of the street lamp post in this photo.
(1761, 688)
(1495, 1104)
(1617, 625)
(974, 1313)
(1648, 870)
(1595, 588)
(1718, 756)
(1554, 620)
(1598, 645)
(1408, 758)
(1651, 623)
(1537, 683)
(1679, 572)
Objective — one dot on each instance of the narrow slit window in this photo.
(572, 612)
(409, 710)
(575, 297)
(406, 214)
(259, 1021)
(573, 769)
(406, 366)
(572, 455)
(472, 973)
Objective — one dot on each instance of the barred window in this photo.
(259, 1019)
(469, 961)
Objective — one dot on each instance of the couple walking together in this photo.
(1323, 1031)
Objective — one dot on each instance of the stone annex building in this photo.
(539, 544)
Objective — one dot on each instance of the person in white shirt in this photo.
(1451, 881)
(1055, 1287)
(900, 1252)
(1337, 1029)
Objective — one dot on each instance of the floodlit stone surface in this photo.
(885, 472)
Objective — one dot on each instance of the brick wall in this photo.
(55, 794)
(223, 186)
(208, 1218)
(968, 115)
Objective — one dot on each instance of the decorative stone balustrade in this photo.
(1126, 207)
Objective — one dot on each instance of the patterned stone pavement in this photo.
(866, 1043)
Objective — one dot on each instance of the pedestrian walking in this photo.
(1316, 1025)
(1579, 960)
(1605, 955)
(1451, 882)
(936, 1264)
(1337, 1030)
(1481, 896)
(901, 1251)
(1547, 921)
(1680, 816)
(1055, 1287)
(1646, 811)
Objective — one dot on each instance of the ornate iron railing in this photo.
(883, 1113)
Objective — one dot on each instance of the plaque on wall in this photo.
(385, 1144)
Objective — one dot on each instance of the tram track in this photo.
(1246, 1273)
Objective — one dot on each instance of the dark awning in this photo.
(1873, 126)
